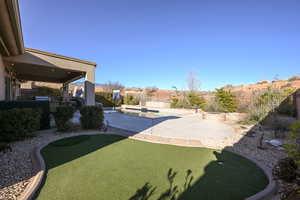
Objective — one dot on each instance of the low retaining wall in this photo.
(157, 104)
(173, 111)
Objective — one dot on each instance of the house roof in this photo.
(59, 56)
(38, 65)
(33, 64)
(11, 37)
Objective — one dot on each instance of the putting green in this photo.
(116, 168)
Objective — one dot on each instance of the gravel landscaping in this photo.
(16, 166)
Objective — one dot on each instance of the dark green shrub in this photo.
(47, 91)
(196, 100)
(174, 102)
(62, 117)
(131, 100)
(18, 123)
(189, 100)
(286, 170)
(106, 99)
(287, 107)
(91, 117)
(226, 100)
(36, 105)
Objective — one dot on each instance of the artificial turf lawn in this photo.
(115, 168)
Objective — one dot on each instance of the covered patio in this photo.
(36, 65)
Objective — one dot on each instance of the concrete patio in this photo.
(191, 127)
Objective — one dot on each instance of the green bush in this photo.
(226, 100)
(106, 99)
(287, 107)
(62, 117)
(181, 102)
(47, 91)
(174, 102)
(293, 148)
(131, 100)
(36, 105)
(91, 117)
(18, 123)
(189, 100)
(286, 169)
(195, 100)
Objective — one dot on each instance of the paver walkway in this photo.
(191, 127)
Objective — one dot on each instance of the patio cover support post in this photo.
(65, 92)
(89, 88)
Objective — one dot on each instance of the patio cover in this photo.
(36, 65)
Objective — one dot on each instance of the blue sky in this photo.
(157, 43)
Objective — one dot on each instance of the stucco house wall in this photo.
(2, 79)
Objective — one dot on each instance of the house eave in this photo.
(60, 56)
(11, 37)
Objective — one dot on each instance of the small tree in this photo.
(196, 100)
(111, 85)
(193, 83)
(131, 100)
(226, 100)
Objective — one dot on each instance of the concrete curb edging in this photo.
(39, 169)
(271, 188)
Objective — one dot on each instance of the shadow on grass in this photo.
(52, 161)
(77, 146)
(227, 178)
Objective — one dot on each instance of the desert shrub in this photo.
(62, 118)
(195, 100)
(293, 148)
(242, 108)
(212, 106)
(286, 170)
(174, 102)
(278, 122)
(131, 100)
(266, 103)
(107, 100)
(18, 123)
(188, 100)
(226, 100)
(287, 106)
(181, 102)
(91, 117)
